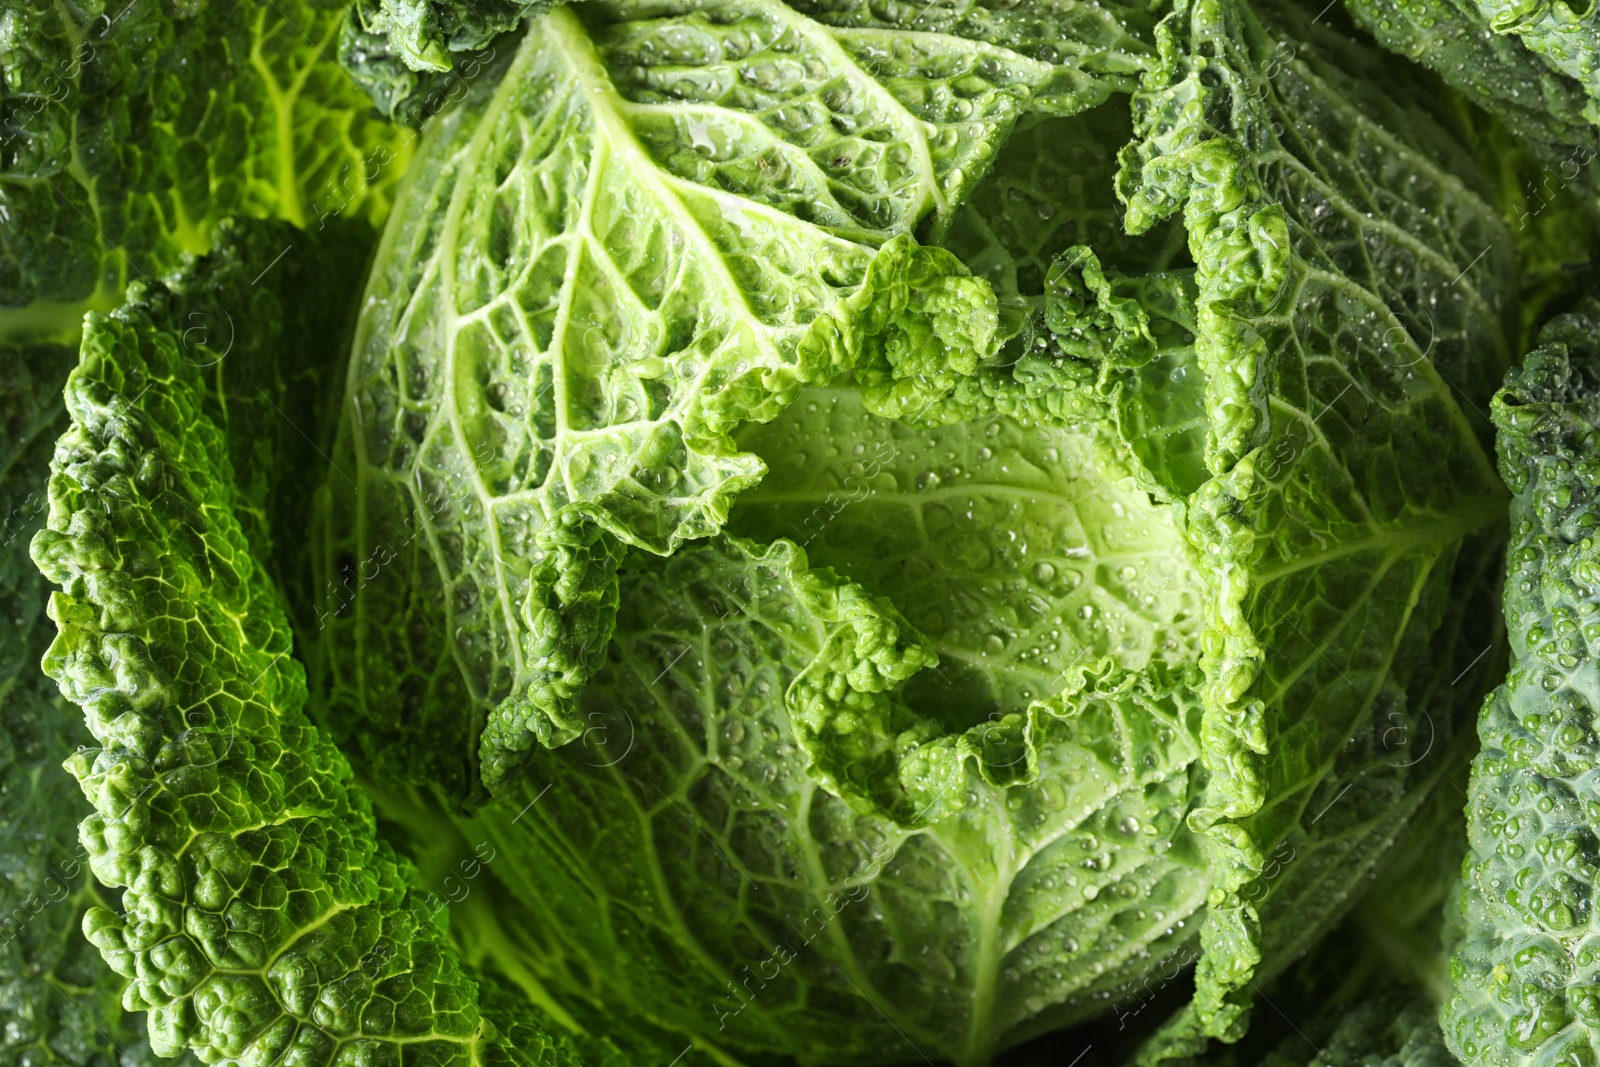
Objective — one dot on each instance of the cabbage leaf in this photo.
(1522, 968)
(128, 131)
(654, 226)
(260, 915)
(62, 1004)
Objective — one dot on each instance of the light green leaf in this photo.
(767, 892)
(654, 227)
(260, 915)
(999, 538)
(1354, 307)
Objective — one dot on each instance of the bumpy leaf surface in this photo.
(129, 130)
(652, 228)
(1524, 963)
(1539, 147)
(782, 917)
(1546, 106)
(260, 916)
(416, 57)
(61, 1003)
(1354, 300)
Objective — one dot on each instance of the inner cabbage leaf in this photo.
(656, 224)
(1000, 539)
(1281, 391)
(781, 917)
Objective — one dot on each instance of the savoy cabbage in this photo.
(796, 532)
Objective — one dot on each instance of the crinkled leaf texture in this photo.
(415, 57)
(1484, 55)
(1537, 64)
(1524, 965)
(652, 227)
(1018, 544)
(785, 827)
(789, 915)
(936, 781)
(261, 918)
(1354, 301)
(1538, 143)
(1367, 995)
(128, 131)
(60, 1002)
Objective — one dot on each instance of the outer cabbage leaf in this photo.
(1546, 106)
(654, 226)
(61, 1003)
(1405, 919)
(129, 130)
(1538, 148)
(1384, 1025)
(412, 55)
(261, 916)
(1368, 993)
(1382, 1031)
(1534, 64)
(1523, 968)
(1355, 300)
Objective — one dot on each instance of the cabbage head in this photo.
(904, 527)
